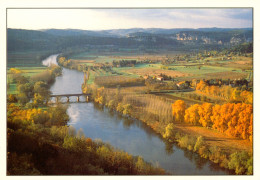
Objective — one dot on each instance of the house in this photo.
(146, 77)
(159, 78)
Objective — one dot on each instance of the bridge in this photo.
(57, 96)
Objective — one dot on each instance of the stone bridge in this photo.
(57, 96)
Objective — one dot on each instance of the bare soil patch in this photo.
(83, 61)
(225, 75)
(156, 72)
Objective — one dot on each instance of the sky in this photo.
(102, 19)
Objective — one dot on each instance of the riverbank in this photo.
(157, 114)
(40, 142)
(209, 144)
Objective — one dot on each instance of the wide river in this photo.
(129, 135)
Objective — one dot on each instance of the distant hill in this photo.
(176, 39)
(125, 32)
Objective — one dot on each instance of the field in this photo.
(12, 89)
(134, 88)
(27, 58)
(209, 68)
(155, 71)
(27, 72)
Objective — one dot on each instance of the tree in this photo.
(26, 88)
(58, 115)
(11, 98)
(192, 114)
(169, 131)
(199, 143)
(235, 96)
(22, 98)
(201, 86)
(205, 112)
(238, 162)
(41, 92)
(127, 109)
(178, 110)
(120, 107)
(247, 97)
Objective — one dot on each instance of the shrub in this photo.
(199, 143)
(169, 131)
(240, 162)
(204, 152)
(187, 142)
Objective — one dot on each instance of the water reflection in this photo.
(130, 135)
(169, 148)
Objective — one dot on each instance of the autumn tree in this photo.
(192, 114)
(178, 110)
(201, 85)
(247, 97)
(205, 112)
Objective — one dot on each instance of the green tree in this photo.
(58, 115)
(169, 131)
(127, 109)
(239, 162)
(22, 98)
(199, 143)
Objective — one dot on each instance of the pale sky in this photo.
(101, 19)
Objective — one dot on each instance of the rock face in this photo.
(210, 38)
(220, 38)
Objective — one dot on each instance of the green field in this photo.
(27, 58)
(27, 72)
(12, 89)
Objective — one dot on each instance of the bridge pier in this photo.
(86, 98)
(78, 99)
(68, 99)
(57, 99)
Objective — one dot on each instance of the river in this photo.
(129, 135)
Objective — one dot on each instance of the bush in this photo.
(127, 109)
(120, 107)
(204, 152)
(11, 98)
(199, 143)
(241, 162)
(187, 142)
(169, 131)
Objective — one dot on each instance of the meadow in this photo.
(27, 58)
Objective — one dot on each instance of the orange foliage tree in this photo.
(178, 110)
(192, 114)
(205, 112)
(233, 119)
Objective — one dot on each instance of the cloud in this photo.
(94, 19)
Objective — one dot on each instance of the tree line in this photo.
(232, 119)
(226, 92)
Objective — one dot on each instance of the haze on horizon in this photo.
(104, 19)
